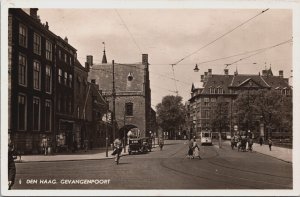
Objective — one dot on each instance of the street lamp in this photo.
(196, 69)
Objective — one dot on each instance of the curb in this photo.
(274, 157)
(85, 159)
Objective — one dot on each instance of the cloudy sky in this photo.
(168, 35)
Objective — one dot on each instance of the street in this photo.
(167, 169)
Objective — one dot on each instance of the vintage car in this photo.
(139, 145)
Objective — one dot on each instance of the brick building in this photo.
(51, 103)
(226, 88)
(31, 68)
(133, 94)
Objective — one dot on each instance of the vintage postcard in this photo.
(142, 98)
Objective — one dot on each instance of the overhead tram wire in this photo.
(164, 76)
(129, 31)
(261, 51)
(175, 80)
(223, 35)
(218, 38)
(244, 53)
(208, 61)
(110, 72)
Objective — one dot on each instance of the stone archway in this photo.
(125, 129)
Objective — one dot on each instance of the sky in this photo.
(169, 35)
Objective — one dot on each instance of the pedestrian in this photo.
(11, 166)
(250, 143)
(117, 149)
(161, 143)
(270, 143)
(260, 141)
(196, 150)
(190, 151)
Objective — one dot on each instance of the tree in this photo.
(267, 106)
(219, 117)
(170, 114)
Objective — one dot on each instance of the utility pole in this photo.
(114, 100)
(124, 131)
(106, 128)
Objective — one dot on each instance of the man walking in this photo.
(270, 143)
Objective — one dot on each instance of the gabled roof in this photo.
(222, 81)
(276, 81)
(241, 79)
(196, 85)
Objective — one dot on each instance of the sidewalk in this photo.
(95, 154)
(284, 154)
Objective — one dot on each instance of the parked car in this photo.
(139, 145)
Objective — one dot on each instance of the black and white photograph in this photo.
(143, 98)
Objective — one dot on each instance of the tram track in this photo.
(207, 173)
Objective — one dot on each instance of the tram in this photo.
(206, 137)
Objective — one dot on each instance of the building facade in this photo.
(64, 93)
(31, 69)
(132, 94)
(225, 88)
(51, 103)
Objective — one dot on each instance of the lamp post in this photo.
(106, 132)
(114, 100)
(124, 131)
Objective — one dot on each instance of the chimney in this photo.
(33, 13)
(209, 72)
(281, 73)
(89, 60)
(93, 81)
(264, 73)
(202, 78)
(66, 39)
(226, 71)
(145, 59)
(46, 25)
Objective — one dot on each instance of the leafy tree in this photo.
(170, 113)
(219, 117)
(268, 106)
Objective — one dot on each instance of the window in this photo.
(206, 114)
(70, 80)
(58, 103)
(22, 35)
(22, 70)
(36, 75)
(78, 112)
(37, 44)
(71, 61)
(36, 114)
(48, 50)
(220, 90)
(60, 75)
(59, 54)
(47, 115)
(129, 109)
(206, 101)
(66, 78)
(69, 104)
(48, 79)
(65, 58)
(22, 112)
